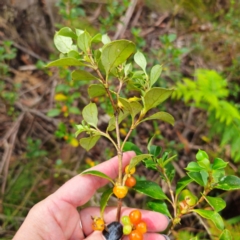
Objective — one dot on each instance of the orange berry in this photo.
(132, 170)
(120, 191)
(135, 216)
(98, 224)
(130, 182)
(142, 227)
(136, 235)
(64, 108)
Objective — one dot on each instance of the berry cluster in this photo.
(121, 191)
(134, 226)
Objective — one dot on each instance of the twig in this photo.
(9, 149)
(13, 128)
(37, 113)
(122, 26)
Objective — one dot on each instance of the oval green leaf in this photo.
(98, 174)
(82, 75)
(182, 183)
(163, 116)
(137, 159)
(218, 163)
(84, 42)
(67, 32)
(216, 203)
(90, 114)
(89, 142)
(150, 189)
(212, 215)
(104, 199)
(96, 90)
(159, 206)
(140, 60)
(53, 112)
(62, 43)
(229, 183)
(116, 53)
(155, 73)
(199, 177)
(193, 167)
(68, 61)
(129, 146)
(155, 96)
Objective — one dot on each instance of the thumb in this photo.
(96, 235)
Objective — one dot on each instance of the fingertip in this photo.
(96, 235)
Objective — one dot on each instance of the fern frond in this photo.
(208, 91)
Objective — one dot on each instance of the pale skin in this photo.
(57, 217)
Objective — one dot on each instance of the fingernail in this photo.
(166, 237)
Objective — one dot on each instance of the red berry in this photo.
(136, 235)
(130, 182)
(142, 227)
(120, 191)
(135, 216)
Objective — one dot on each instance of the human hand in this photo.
(57, 217)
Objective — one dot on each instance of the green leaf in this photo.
(73, 54)
(229, 183)
(62, 43)
(155, 96)
(126, 104)
(69, 61)
(105, 39)
(98, 174)
(213, 216)
(104, 199)
(136, 108)
(129, 146)
(84, 42)
(150, 164)
(74, 110)
(225, 235)
(116, 53)
(193, 167)
(97, 38)
(53, 112)
(182, 183)
(137, 159)
(201, 155)
(155, 150)
(163, 116)
(218, 163)
(89, 142)
(150, 189)
(67, 32)
(140, 60)
(199, 177)
(216, 203)
(159, 206)
(96, 90)
(82, 75)
(155, 73)
(90, 114)
(80, 129)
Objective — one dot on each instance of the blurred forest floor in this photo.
(38, 151)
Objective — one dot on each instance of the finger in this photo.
(78, 190)
(151, 236)
(97, 235)
(156, 222)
